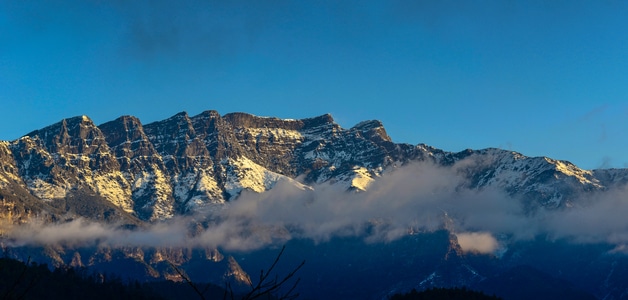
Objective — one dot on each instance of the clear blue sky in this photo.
(538, 77)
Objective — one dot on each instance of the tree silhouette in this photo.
(266, 286)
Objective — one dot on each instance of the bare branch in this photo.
(267, 287)
(18, 280)
(287, 294)
(187, 280)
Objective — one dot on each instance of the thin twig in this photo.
(276, 285)
(287, 294)
(187, 280)
(267, 287)
(30, 285)
(17, 281)
(263, 276)
(224, 296)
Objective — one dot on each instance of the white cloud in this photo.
(416, 197)
(477, 242)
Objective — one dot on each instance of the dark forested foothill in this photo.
(445, 294)
(36, 281)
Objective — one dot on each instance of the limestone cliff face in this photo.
(8, 167)
(174, 166)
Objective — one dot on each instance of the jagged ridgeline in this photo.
(124, 170)
(170, 167)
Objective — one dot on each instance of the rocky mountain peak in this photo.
(368, 125)
(171, 135)
(121, 130)
(207, 122)
(74, 135)
(373, 130)
(322, 120)
(244, 120)
(129, 143)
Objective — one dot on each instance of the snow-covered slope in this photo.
(539, 180)
(170, 167)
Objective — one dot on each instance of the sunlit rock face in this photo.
(184, 163)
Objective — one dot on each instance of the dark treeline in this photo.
(445, 294)
(19, 280)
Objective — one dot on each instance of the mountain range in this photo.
(133, 175)
(172, 167)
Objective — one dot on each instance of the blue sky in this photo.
(544, 78)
